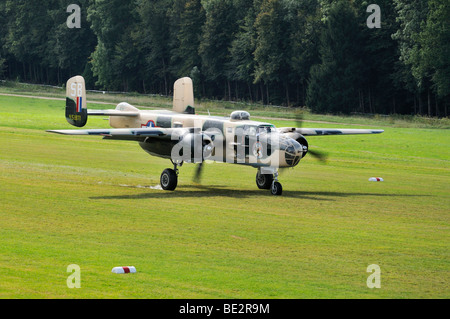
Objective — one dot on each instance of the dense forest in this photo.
(315, 53)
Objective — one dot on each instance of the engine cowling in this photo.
(196, 147)
(290, 132)
(302, 140)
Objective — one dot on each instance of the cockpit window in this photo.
(255, 130)
(266, 129)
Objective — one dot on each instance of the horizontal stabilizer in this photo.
(112, 113)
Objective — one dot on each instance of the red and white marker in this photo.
(124, 270)
(376, 179)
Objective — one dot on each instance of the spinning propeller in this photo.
(321, 156)
(198, 173)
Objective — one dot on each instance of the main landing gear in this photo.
(169, 177)
(266, 180)
(269, 181)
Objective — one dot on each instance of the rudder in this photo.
(76, 111)
(183, 96)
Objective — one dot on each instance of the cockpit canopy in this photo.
(240, 116)
(254, 130)
(269, 128)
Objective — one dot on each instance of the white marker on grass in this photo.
(124, 270)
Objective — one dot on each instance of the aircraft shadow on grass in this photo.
(222, 191)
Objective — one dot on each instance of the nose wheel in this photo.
(276, 189)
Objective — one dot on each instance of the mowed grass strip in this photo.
(81, 200)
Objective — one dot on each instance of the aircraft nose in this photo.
(293, 153)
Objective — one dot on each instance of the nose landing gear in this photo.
(276, 188)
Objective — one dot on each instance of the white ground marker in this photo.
(124, 270)
(376, 179)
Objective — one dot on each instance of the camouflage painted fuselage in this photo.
(238, 141)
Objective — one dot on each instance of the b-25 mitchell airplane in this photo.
(184, 137)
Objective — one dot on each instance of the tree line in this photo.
(315, 53)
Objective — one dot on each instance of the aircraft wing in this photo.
(328, 131)
(129, 134)
(119, 132)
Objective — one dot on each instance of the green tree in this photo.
(242, 64)
(28, 24)
(155, 43)
(335, 83)
(113, 22)
(304, 37)
(379, 93)
(3, 31)
(272, 44)
(185, 54)
(69, 49)
(2, 66)
(217, 35)
(435, 42)
(410, 15)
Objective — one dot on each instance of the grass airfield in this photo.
(81, 200)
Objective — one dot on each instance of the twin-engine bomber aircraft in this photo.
(184, 137)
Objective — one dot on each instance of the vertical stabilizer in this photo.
(183, 96)
(76, 112)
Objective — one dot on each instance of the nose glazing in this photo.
(293, 152)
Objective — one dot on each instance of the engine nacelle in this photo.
(290, 132)
(302, 140)
(195, 147)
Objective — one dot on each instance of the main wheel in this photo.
(276, 188)
(263, 181)
(169, 179)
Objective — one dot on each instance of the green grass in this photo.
(81, 200)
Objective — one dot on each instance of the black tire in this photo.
(264, 181)
(276, 189)
(169, 179)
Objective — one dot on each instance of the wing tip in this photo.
(54, 131)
